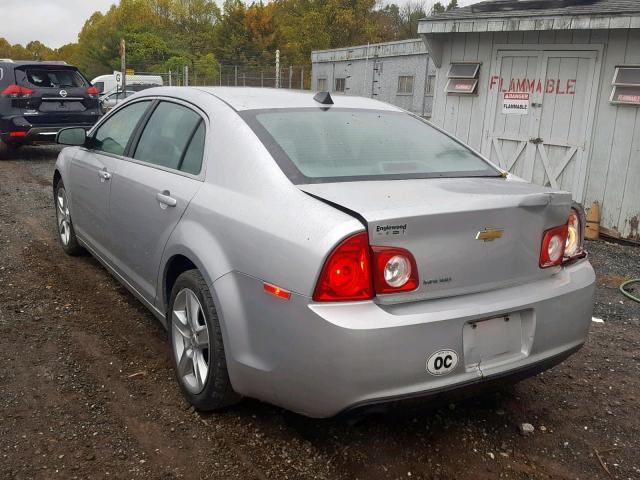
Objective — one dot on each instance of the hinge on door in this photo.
(535, 141)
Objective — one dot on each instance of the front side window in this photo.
(315, 146)
(167, 135)
(340, 84)
(114, 134)
(405, 84)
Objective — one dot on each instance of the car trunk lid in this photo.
(466, 234)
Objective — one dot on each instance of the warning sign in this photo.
(515, 103)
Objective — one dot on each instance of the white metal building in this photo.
(550, 90)
(395, 72)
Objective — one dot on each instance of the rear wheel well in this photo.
(176, 266)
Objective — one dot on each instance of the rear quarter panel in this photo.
(249, 218)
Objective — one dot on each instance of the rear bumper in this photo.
(320, 359)
(18, 129)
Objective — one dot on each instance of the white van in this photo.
(107, 83)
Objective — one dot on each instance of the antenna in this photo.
(324, 98)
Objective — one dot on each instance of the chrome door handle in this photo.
(166, 200)
(104, 175)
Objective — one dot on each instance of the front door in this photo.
(90, 180)
(91, 173)
(542, 136)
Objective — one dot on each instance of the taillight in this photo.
(346, 274)
(16, 91)
(553, 245)
(355, 271)
(575, 237)
(92, 92)
(395, 270)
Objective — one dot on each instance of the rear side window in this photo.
(114, 134)
(192, 162)
(167, 136)
(52, 78)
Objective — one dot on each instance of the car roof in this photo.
(248, 98)
(21, 63)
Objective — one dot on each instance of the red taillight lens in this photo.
(395, 270)
(553, 245)
(346, 274)
(16, 91)
(92, 92)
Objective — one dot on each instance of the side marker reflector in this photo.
(17, 134)
(277, 291)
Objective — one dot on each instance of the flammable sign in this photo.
(515, 103)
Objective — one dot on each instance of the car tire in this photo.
(64, 225)
(5, 149)
(196, 344)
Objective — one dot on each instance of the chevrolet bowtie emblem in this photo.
(489, 234)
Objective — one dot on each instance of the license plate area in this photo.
(498, 340)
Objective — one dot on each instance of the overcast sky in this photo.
(56, 22)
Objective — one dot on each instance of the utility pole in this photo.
(123, 64)
(277, 68)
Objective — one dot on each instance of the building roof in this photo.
(528, 15)
(412, 46)
(538, 8)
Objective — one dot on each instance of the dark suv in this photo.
(39, 98)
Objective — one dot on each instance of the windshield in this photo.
(50, 78)
(317, 146)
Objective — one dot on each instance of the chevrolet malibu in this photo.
(322, 254)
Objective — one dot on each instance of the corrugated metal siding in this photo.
(613, 165)
(392, 60)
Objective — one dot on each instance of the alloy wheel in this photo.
(63, 216)
(190, 340)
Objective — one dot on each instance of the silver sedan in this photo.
(323, 254)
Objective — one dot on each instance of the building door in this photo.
(542, 135)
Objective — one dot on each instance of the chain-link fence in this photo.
(290, 77)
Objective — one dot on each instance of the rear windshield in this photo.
(54, 78)
(318, 146)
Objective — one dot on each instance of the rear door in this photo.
(151, 190)
(91, 172)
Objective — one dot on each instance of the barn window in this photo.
(626, 86)
(340, 84)
(405, 85)
(463, 78)
(322, 85)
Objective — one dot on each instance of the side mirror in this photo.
(76, 136)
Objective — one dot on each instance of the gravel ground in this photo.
(87, 389)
